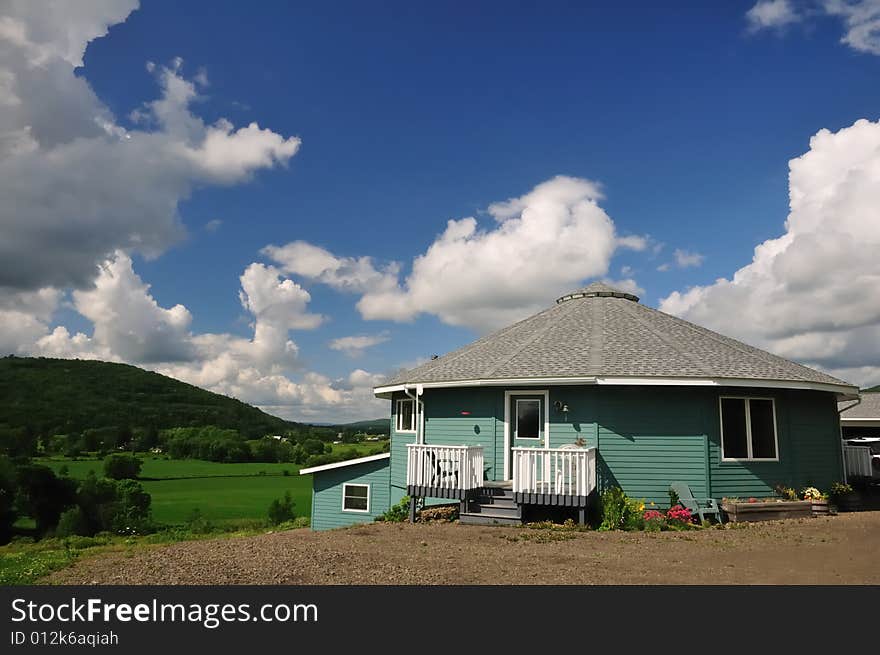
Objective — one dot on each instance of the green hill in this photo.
(375, 426)
(58, 396)
(872, 389)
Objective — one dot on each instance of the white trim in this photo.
(356, 484)
(347, 462)
(748, 417)
(867, 419)
(846, 391)
(397, 415)
(525, 392)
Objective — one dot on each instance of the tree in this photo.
(281, 510)
(122, 466)
(7, 499)
(42, 495)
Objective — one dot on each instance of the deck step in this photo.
(488, 519)
(514, 512)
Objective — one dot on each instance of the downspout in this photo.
(418, 411)
(840, 428)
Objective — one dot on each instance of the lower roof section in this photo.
(348, 462)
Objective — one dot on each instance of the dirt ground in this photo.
(829, 550)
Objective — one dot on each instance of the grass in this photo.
(223, 493)
(226, 499)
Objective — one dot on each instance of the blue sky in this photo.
(412, 114)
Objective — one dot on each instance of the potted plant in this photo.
(818, 500)
(845, 498)
(765, 509)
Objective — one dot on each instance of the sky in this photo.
(287, 202)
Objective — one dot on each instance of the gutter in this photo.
(840, 428)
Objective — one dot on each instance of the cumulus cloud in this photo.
(354, 346)
(860, 18)
(812, 294)
(356, 275)
(546, 242)
(686, 259)
(76, 184)
(83, 190)
(771, 14)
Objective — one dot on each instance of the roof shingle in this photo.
(599, 331)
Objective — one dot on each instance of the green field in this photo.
(223, 493)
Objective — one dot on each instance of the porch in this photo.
(558, 477)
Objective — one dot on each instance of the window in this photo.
(748, 429)
(355, 498)
(528, 419)
(406, 419)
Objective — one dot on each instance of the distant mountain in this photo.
(56, 396)
(374, 426)
(872, 389)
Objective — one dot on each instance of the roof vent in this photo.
(597, 290)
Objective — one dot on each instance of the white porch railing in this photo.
(857, 460)
(561, 471)
(456, 468)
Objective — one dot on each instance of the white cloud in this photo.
(812, 294)
(356, 275)
(548, 241)
(76, 184)
(771, 14)
(354, 346)
(862, 21)
(860, 18)
(213, 225)
(686, 259)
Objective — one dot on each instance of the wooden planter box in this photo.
(820, 507)
(742, 512)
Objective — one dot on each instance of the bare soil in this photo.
(829, 550)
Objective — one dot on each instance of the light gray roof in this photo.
(868, 408)
(599, 331)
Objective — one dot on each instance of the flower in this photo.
(652, 515)
(811, 493)
(679, 513)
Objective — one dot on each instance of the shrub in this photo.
(43, 495)
(396, 513)
(787, 493)
(839, 489)
(71, 523)
(122, 507)
(620, 512)
(301, 522)
(122, 466)
(673, 498)
(196, 523)
(281, 510)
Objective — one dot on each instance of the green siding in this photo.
(327, 487)
(647, 437)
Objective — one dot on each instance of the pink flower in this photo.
(679, 513)
(652, 515)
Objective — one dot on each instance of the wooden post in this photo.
(582, 515)
(412, 509)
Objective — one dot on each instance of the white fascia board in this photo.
(845, 392)
(348, 462)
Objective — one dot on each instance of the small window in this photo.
(406, 419)
(748, 429)
(356, 498)
(528, 419)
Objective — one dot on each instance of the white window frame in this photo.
(516, 419)
(748, 419)
(356, 484)
(398, 414)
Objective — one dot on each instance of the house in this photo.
(860, 429)
(596, 391)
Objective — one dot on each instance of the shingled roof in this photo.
(869, 408)
(602, 332)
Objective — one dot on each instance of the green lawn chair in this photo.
(702, 507)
